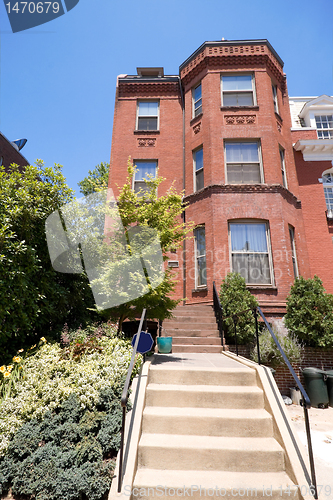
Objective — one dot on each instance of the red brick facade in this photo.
(9, 154)
(278, 204)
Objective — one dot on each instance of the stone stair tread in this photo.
(223, 413)
(208, 348)
(209, 369)
(175, 325)
(208, 480)
(225, 443)
(232, 389)
(196, 341)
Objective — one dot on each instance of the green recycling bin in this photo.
(316, 386)
(329, 374)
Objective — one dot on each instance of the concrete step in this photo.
(174, 324)
(189, 452)
(196, 348)
(181, 332)
(204, 396)
(212, 376)
(207, 421)
(201, 484)
(197, 340)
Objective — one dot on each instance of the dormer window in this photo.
(324, 126)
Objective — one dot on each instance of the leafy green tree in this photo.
(144, 210)
(35, 299)
(310, 312)
(237, 302)
(96, 179)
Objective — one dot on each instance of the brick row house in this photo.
(255, 168)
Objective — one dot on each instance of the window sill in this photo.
(146, 132)
(261, 287)
(241, 108)
(278, 117)
(195, 119)
(203, 288)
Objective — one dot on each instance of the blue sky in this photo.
(57, 81)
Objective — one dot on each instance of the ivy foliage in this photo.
(35, 299)
(67, 455)
(238, 302)
(310, 312)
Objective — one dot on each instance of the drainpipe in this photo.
(184, 242)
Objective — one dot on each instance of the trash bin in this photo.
(329, 374)
(316, 386)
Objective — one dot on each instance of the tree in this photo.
(237, 302)
(310, 312)
(96, 179)
(35, 299)
(143, 210)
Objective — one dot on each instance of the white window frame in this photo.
(237, 91)
(138, 161)
(194, 102)
(268, 253)
(327, 180)
(275, 98)
(147, 116)
(195, 171)
(282, 154)
(324, 119)
(293, 250)
(243, 141)
(197, 257)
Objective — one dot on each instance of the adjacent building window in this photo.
(324, 125)
(243, 162)
(283, 168)
(327, 177)
(293, 251)
(143, 169)
(198, 169)
(200, 256)
(275, 100)
(197, 100)
(238, 90)
(250, 252)
(147, 115)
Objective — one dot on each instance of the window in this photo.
(197, 100)
(293, 251)
(238, 90)
(283, 168)
(324, 125)
(275, 100)
(198, 169)
(327, 177)
(143, 167)
(200, 256)
(243, 163)
(250, 252)
(147, 115)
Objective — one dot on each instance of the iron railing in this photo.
(124, 398)
(218, 312)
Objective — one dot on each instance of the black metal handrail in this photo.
(218, 312)
(124, 398)
(305, 398)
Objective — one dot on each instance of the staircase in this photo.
(193, 328)
(205, 433)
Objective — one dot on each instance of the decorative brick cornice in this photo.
(146, 142)
(147, 89)
(240, 119)
(243, 189)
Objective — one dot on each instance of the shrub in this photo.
(237, 301)
(310, 312)
(269, 352)
(50, 379)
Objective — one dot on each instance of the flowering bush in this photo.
(50, 378)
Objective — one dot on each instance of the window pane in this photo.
(328, 191)
(201, 270)
(147, 123)
(248, 237)
(197, 93)
(200, 241)
(251, 174)
(148, 108)
(242, 151)
(199, 178)
(198, 108)
(144, 168)
(253, 268)
(235, 99)
(198, 158)
(240, 82)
